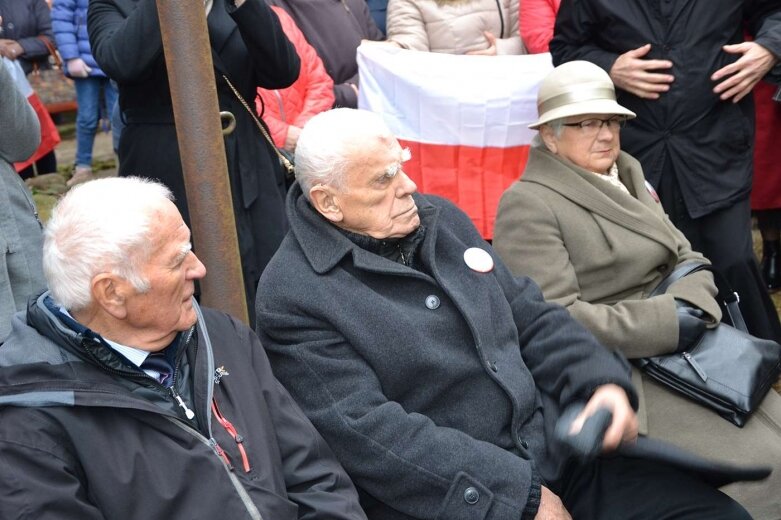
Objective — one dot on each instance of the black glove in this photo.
(692, 322)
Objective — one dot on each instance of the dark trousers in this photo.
(724, 238)
(620, 488)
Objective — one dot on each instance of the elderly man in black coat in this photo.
(432, 372)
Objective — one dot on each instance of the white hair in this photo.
(556, 125)
(324, 147)
(99, 226)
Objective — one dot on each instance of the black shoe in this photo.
(771, 264)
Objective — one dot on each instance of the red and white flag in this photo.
(464, 118)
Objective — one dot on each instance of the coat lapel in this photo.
(603, 199)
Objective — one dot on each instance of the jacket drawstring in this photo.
(233, 433)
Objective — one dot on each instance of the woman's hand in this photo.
(10, 49)
(491, 50)
(78, 69)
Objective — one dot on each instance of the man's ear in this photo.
(548, 137)
(326, 203)
(110, 293)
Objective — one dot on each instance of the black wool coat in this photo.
(429, 386)
(709, 142)
(250, 48)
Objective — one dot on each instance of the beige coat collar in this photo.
(639, 214)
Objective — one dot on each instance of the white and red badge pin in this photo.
(478, 260)
(652, 191)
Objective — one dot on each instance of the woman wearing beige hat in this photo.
(586, 226)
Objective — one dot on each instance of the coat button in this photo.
(493, 366)
(432, 302)
(662, 268)
(471, 496)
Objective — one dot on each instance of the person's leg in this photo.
(110, 95)
(620, 488)
(770, 266)
(88, 98)
(47, 163)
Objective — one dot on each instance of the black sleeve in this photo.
(275, 61)
(32, 45)
(124, 44)
(575, 36)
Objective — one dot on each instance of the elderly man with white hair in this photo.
(435, 375)
(120, 398)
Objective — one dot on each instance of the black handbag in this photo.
(726, 369)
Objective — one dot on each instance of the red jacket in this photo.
(312, 93)
(537, 20)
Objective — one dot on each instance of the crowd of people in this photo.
(396, 365)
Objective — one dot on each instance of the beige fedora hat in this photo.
(575, 88)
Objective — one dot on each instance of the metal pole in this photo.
(202, 150)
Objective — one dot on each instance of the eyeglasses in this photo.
(593, 126)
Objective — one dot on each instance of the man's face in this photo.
(171, 270)
(375, 197)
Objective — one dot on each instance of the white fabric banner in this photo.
(452, 99)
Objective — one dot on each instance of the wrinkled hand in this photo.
(737, 79)
(632, 72)
(491, 50)
(77, 68)
(10, 49)
(551, 507)
(624, 426)
(291, 140)
(389, 43)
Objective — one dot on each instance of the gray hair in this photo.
(324, 147)
(99, 226)
(556, 125)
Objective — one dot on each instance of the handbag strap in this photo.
(729, 296)
(291, 170)
(52, 50)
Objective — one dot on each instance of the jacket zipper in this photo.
(233, 433)
(220, 453)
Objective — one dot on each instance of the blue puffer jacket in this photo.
(69, 23)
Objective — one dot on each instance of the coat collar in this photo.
(324, 246)
(584, 189)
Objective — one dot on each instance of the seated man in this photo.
(121, 399)
(433, 372)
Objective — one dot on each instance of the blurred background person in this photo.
(335, 29)
(537, 20)
(487, 27)
(24, 23)
(21, 238)
(250, 49)
(378, 9)
(95, 93)
(766, 185)
(687, 70)
(286, 110)
(585, 225)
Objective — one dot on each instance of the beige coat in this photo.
(453, 26)
(599, 252)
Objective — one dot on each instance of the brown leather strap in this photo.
(52, 50)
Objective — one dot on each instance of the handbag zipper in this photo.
(696, 366)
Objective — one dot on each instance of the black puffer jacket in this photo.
(85, 436)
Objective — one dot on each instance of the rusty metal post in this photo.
(196, 114)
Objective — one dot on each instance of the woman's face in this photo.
(590, 141)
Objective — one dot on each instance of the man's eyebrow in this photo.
(394, 168)
(183, 252)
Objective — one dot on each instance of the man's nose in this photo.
(406, 186)
(197, 270)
